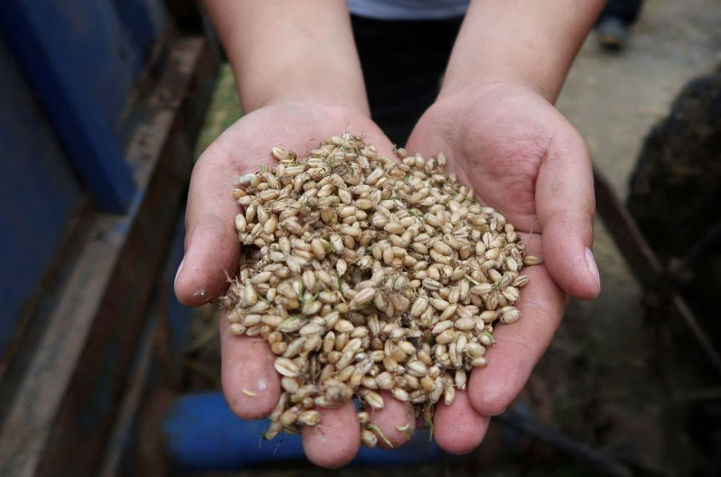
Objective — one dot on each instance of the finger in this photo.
(458, 428)
(211, 244)
(518, 346)
(396, 421)
(250, 383)
(335, 441)
(565, 206)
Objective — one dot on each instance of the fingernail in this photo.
(592, 267)
(180, 267)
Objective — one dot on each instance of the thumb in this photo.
(565, 206)
(211, 242)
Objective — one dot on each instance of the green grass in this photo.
(224, 109)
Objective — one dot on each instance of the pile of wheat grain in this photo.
(366, 273)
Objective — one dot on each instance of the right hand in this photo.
(525, 159)
(212, 250)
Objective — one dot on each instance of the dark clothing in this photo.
(402, 62)
(625, 10)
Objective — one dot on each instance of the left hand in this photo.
(525, 159)
(212, 251)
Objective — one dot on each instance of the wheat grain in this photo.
(367, 273)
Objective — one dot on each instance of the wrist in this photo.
(314, 110)
(545, 78)
(298, 84)
(287, 50)
(477, 87)
(525, 42)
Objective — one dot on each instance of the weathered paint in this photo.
(82, 58)
(65, 405)
(38, 192)
(203, 435)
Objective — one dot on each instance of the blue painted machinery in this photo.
(204, 435)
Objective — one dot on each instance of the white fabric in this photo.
(408, 9)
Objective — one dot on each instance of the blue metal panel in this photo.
(203, 435)
(37, 194)
(82, 57)
(142, 22)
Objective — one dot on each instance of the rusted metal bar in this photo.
(681, 266)
(699, 395)
(682, 309)
(533, 427)
(628, 237)
(127, 410)
(644, 264)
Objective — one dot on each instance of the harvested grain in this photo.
(365, 273)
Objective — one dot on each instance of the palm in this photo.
(523, 158)
(494, 144)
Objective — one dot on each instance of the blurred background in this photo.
(104, 106)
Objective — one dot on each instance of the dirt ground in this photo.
(614, 100)
(597, 382)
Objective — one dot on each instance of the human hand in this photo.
(525, 159)
(212, 250)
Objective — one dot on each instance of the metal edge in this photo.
(62, 412)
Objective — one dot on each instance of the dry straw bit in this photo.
(368, 274)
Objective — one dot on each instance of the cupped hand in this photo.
(250, 383)
(525, 159)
